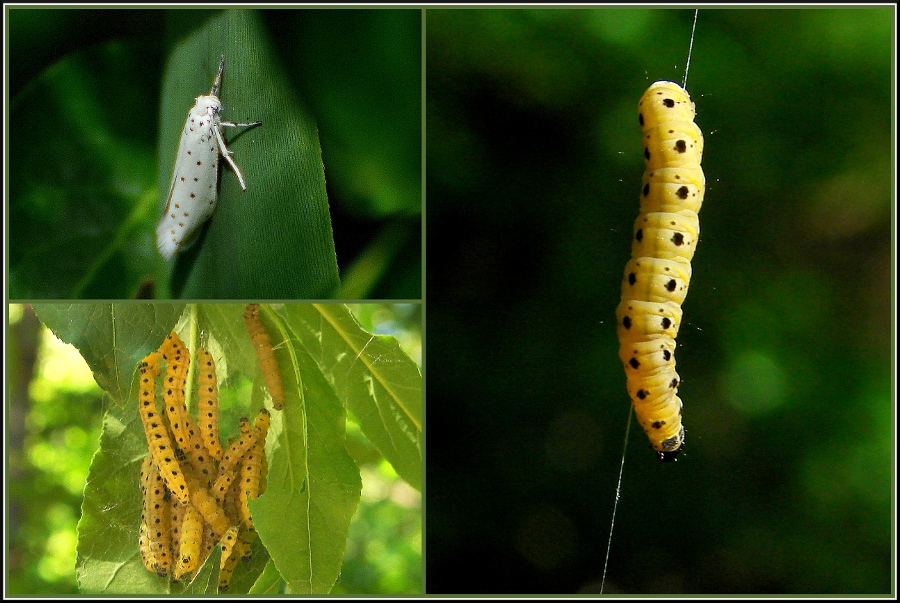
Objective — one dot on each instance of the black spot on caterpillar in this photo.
(266, 355)
(658, 275)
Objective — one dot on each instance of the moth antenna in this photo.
(215, 87)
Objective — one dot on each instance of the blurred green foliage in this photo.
(86, 195)
(55, 416)
(534, 166)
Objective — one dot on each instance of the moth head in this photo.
(208, 104)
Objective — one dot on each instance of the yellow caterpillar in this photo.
(176, 511)
(209, 404)
(178, 361)
(189, 546)
(185, 430)
(155, 536)
(229, 563)
(229, 558)
(157, 436)
(205, 503)
(659, 272)
(198, 456)
(183, 516)
(251, 469)
(233, 456)
(266, 355)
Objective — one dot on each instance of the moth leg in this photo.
(227, 154)
(231, 124)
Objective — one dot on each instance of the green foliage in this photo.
(374, 379)
(313, 484)
(53, 429)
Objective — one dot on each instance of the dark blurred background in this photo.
(533, 174)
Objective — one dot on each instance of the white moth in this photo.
(193, 194)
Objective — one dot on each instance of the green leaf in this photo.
(273, 240)
(111, 338)
(372, 376)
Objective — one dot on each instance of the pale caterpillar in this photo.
(262, 343)
(659, 272)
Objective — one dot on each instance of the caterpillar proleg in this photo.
(193, 195)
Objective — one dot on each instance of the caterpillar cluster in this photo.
(262, 343)
(194, 491)
(659, 272)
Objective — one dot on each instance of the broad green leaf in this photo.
(273, 240)
(372, 376)
(112, 338)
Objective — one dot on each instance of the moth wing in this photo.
(192, 192)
